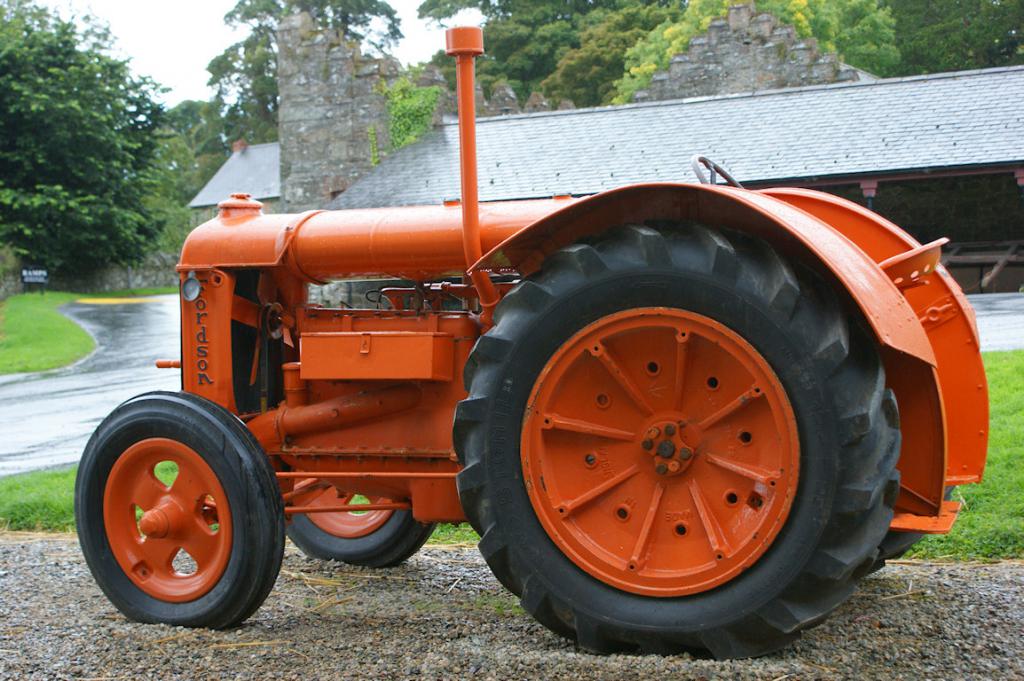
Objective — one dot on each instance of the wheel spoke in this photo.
(147, 491)
(637, 560)
(756, 473)
(625, 382)
(159, 553)
(713, 529)
(570, 507)
(556, 422)
(201, 544)
(682, 345)
(188, 487)
(743, 400)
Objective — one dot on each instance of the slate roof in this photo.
(962, 119)
(256, 169)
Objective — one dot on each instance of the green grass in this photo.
(448, 533)
(44, 500)
(990, 527)
(991, 524)
(35, 336)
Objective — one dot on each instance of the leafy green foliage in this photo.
(861, 31)
(245, 74)
(76, 144)
(951, 35)
(525, 39)
(9, 263)
(586, 75)
(410, 111)
(371, 134)
(191, 148)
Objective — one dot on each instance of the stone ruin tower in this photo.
(333, 116)
(745, 52)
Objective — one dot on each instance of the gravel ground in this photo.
(443, 615)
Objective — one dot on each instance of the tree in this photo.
(861, 31)
(76, 144)
(951, 35)
(524, 39)
(202, 132)
(191, 148)
(245, 74)
(587, 74)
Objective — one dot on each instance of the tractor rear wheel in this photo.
(179, 514)
(896, 544)
(374, 539)
(672, 442)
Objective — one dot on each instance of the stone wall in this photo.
(745, 52)
(333, 118)
(332, 113)
(10, 284)
(155, 271)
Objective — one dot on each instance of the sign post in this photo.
(35, 276)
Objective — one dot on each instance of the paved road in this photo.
(47, 418)
(1000, 320)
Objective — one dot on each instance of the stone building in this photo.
(333, 122)
(332, 116)
(747, 52)
(251, 168)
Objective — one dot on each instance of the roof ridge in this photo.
(261, 144)
(880, 82)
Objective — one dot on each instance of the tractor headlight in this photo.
(191, 288)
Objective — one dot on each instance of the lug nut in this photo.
(653, 432)
(685, 453)
(647, 444)
(666, 449)
(673, 466)
(670, 430)
(661, 469)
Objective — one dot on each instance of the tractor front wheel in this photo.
(179, 514)
(674, 441)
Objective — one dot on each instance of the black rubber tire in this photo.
(896, 544)
(257, 510)
(392, 544)
(829, 366)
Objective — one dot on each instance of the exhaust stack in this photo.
(466, 43)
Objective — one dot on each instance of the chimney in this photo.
(239, 145)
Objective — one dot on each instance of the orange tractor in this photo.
(680, 416)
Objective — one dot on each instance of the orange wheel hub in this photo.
(150, 524)
(346, 524)
(660, 452)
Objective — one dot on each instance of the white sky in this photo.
(173, 42)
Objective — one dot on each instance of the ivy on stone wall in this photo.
(9, 263)
(410, 110)
(374, 147)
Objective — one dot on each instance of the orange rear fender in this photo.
(927, 334)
